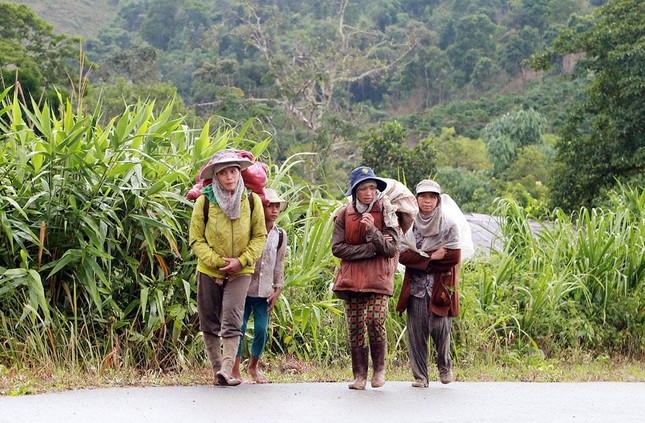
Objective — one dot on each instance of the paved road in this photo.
(334, 403)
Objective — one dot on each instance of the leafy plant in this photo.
(94, 260)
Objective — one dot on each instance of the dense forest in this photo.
(480, 94)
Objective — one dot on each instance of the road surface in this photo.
(495, 402)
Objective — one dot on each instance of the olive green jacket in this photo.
(242, 238)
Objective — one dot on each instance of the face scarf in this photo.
(228, 201)
(434, 230)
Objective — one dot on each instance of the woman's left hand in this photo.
(438, 254)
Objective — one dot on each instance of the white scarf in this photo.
(229, 201)
(435, 230)
(365, 208)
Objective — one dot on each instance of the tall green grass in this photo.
(578, 283)
(96, 274)
(94, 264)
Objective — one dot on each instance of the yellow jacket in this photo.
(242, 238)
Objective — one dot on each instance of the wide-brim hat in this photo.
(272, 197)
(362, 174)
(221, 160)
(428, 185)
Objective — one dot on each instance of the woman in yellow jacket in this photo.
(227, 241)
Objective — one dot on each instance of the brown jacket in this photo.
(367, 260)
(445, 293)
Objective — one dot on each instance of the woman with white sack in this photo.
(431, 251)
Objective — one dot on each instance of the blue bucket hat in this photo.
(362, 174)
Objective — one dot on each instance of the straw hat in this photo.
(272, 197)
(221, 160)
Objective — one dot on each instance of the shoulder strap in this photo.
(280, 237)
(251, 206)
(206, 207)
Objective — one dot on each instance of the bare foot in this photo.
(257, 376)
(254, 372)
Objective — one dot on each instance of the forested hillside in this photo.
(440, 88)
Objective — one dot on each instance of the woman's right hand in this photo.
(367, 222)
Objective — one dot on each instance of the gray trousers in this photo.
(421, 326)
(221, 306)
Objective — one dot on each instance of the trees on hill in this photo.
(508, 134)
(312, 64)
(32, 56)
(323, 75)
(307, 72)
(604, 138)
(386, 151)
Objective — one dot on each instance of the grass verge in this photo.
(29, 381)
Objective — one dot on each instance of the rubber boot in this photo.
(445, 375)
(224, 376)
(359, 367)
(213, 346)
(378, 350)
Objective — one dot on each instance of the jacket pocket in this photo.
(443, 292)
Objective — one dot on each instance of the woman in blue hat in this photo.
(367, 249)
